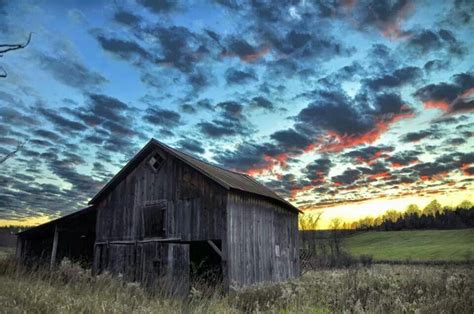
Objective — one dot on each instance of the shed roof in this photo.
(69, 218)
(226, 178)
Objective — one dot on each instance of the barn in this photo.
(168, 217)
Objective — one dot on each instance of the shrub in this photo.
(72, 272)
(366, 260)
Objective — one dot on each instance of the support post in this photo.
(215, 247)
(55, 247)
(19, 247)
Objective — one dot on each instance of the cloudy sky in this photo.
(350, 107)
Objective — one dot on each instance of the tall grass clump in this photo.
(375, 289)
(71, 289)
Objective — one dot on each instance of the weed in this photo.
(378, 289)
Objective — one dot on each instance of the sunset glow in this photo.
(374, 208)
(347, 107)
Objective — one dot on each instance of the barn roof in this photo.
(48, 227)
(226, 178)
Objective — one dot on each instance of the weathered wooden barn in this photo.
(164, 214)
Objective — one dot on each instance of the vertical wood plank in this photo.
(255, 227)
(54, 249)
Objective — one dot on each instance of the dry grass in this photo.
(377, 289)
(6, 251)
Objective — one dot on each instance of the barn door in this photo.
(166, 267)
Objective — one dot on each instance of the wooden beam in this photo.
(54, 250)
(134, 242)
(158, 240)
(215, 247)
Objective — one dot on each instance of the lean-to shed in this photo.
(167, 216)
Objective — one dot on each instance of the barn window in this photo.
(156, 162)
(154, 217)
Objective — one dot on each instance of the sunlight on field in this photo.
(429, 245)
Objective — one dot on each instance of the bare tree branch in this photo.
(309, 222)
(4, 48)
(3, 73)
(13, 153)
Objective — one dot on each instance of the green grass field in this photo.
(429, 245)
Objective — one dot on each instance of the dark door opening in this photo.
(205, 265)
(77, 246)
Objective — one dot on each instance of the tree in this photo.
(309, 222)
(433, 208)
(335, 224)
(365, 223)
(465, 204)
(412, 209)
(4, 48)
(391, 215)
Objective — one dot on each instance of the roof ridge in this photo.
(242, 175)
(228, 179)
(200, 160)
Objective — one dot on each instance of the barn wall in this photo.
(195, 210)
(153, 263)
(255, 227)
(195, 204)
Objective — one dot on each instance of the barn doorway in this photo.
(71, 237)
(205, 265)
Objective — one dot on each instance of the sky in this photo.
(347, 107)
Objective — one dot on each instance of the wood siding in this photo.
(195, 211)
(153, 263)
(195, 204)
(256, 227)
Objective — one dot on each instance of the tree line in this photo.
(433, 216)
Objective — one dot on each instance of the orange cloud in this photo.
(348, 5)
(296, 190)
(393, 32)
(434, 177)
(333, 142)
(320, 180)
(392, 29)
(468, 92)
(464, 170)
(399, 165)
(436, 104)
(259, 53)
(270, 162)
(447, 107)
(373, 159)
(385, 175)
(340, 142)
